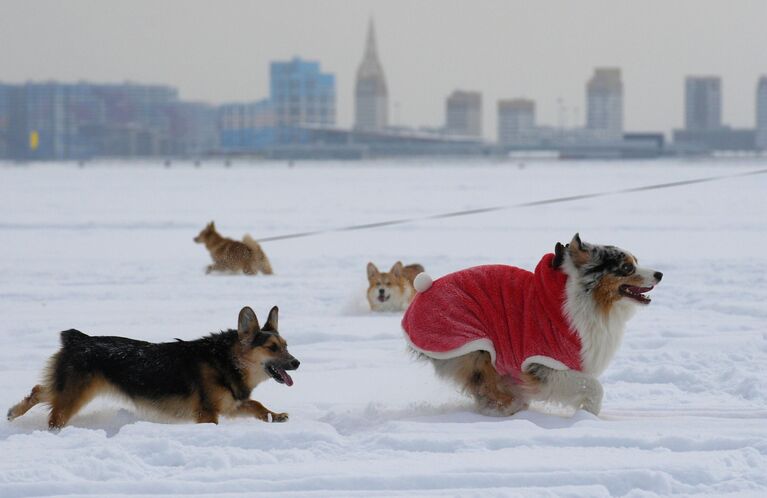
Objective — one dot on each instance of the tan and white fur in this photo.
(392, 290)
(232, 255)
(604, 288)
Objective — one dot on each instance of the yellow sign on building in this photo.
(34, 140)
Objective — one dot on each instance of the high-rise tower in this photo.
(604, 103)
(371, 100)
(703, 103)
(463, 113)
(516, 121)
(301, 94)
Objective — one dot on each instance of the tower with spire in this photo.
(371, 100)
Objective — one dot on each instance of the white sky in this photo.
(219, 51)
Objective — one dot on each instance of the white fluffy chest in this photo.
(600, 335)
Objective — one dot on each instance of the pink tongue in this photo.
(285, 377)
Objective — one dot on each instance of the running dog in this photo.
(231, 255)
(394, 290)
(186, 380)
(507, 336)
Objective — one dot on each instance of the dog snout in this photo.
(381, 291)
(658, 276)
(293, 364)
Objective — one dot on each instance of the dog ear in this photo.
(397, 269)
(247, 322)
(271, 321)
(372, 270)
(576, 242)
(579, 252)
(559, 255)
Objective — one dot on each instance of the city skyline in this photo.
(503, 49)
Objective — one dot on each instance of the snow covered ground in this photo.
(108, 249)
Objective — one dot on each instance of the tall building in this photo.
(761, 113)
(51, 120)
(193, 129)
(604, 104)
(301, 94)
(45, 106)
(516, 122)
(131, 103)
(246, 126)
(371, 99)
(7, 121)
(702, 103)
(463, 114)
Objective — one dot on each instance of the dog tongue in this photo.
(285, 377)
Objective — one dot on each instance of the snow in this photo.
(108, 249)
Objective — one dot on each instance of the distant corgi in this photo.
(508, 336)
(394, 290)
(188, 380)
(231, 255)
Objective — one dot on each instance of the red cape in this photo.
(515, 315)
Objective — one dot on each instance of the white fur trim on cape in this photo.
(469, 347)
(422, 282)
(546, 361)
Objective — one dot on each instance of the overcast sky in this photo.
(219, 51)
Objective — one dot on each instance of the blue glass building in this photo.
(247, 126)
(302, 99)
(301, 94)
(85, 120)
(59, 121)
(6, 120)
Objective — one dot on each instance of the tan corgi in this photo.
(232, 255)
(394, 290)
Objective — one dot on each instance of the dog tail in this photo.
(251, 242)
(259, 257)
(415, 268)
(422, 282)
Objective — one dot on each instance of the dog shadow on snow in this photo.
(109, 420)
(459, 412)
(112, 420)
(542, 419)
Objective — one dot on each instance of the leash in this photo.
(470, 212)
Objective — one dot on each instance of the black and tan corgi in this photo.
(195, 380)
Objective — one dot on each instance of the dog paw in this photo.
(593, 406)
(9, 415)
(495, 409)
(592, 401)
(278, 417)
